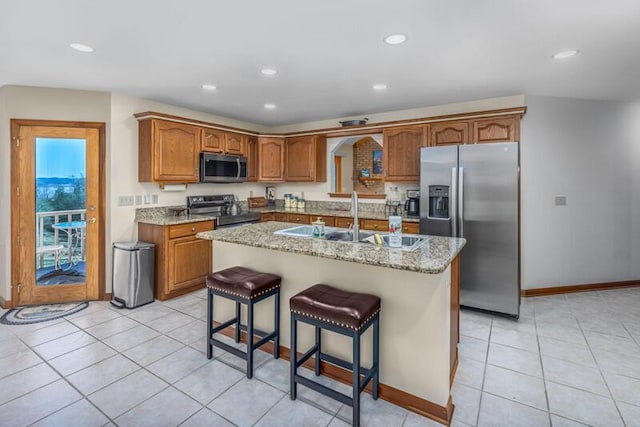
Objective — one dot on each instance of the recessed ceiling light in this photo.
(81, 47)
(395, 39)
(380, 86)
(564, 54)
(208, 86)
(269, 71)
(270, 106)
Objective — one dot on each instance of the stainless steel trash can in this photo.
(133, 274)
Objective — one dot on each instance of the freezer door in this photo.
(438, 197)
(488, 209)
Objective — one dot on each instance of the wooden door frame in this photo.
(15, 217)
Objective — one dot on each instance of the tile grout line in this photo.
(484, 371)
(615, 403)
(544, 381)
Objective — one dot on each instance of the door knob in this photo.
(91, 220)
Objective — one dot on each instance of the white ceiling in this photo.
(328, 53)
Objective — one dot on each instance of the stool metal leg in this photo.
(276, 323)
(293, 359)
(209, 323)
(319, 344)
(376, 356)
(356, 379)
(237, 336)
(250, 340)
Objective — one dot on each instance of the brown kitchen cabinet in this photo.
(329, 221)
(271, 159)
(182, 261)
(450, 133)
(401, 152)
(343, 222)
(168, 151)
(305, 159)
(222, 142)
(374, 225)
(298, 218)
(267, 217)
(252, 158)
(411, 227)
(280, 217)
(497, 129)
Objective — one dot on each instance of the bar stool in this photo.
(244, 286)
(346, 313)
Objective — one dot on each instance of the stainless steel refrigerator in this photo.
(472, 191)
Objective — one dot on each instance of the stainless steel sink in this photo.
(409, 243)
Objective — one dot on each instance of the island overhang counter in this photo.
(419, 289)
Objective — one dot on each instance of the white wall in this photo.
(588, 151)
(43, 104)
(415, 113)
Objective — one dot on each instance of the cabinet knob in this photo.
(193, 229)
(375, 225)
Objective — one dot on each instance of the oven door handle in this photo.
(238, 161)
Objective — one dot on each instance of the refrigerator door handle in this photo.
(453, 203)
(461, 201)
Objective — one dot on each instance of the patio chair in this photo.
(41, 251)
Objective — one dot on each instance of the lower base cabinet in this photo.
(182, 260)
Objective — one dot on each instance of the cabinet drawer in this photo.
(344, 222)
(189, 229)
(298, 218)
(280, 217)
(267, 217)
(329, 221)
(374, 224)
(411, 228)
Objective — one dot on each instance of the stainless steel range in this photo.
(224, 207)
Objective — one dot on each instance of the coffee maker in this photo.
(412, 205)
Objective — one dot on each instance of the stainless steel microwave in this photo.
(222, 168)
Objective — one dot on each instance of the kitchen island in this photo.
(419, 292)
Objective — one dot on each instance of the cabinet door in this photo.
(270, 159)
(234, 143)
(299, 218)
(299, 164)
(401, 155)
(280, 217)
(449, 133)
(189, 262)
(496, 130)
(252, 158)
(267, 217)
(176, 152)
(411, 228)
(212, 141)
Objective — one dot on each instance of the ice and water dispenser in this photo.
(438, 202)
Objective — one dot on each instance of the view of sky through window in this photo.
(60, 158)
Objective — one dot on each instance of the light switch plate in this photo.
(154, 199)
(138, 200)
(125, 200)
(560, 200)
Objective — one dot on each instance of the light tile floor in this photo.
(571, 360)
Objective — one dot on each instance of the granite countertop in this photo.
(174, 219)
(168, 219)
(363, 214)
(432, 257)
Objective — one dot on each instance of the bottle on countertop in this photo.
(318, 228)
(395, 231)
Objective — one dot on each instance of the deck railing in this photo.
(44, 239)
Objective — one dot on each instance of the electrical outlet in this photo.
(125, 200)
(561, 200)
(138, 200)
(154, 199)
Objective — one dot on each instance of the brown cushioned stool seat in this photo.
(346, 313)
(243, 286)
(243, 282)
(342, 308)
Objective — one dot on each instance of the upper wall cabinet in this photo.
(401, 152)
(252, 158)
(450, 133)
(168, 151)
(497, 129)
(306, 159)
(270, 159)
(219, 141)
